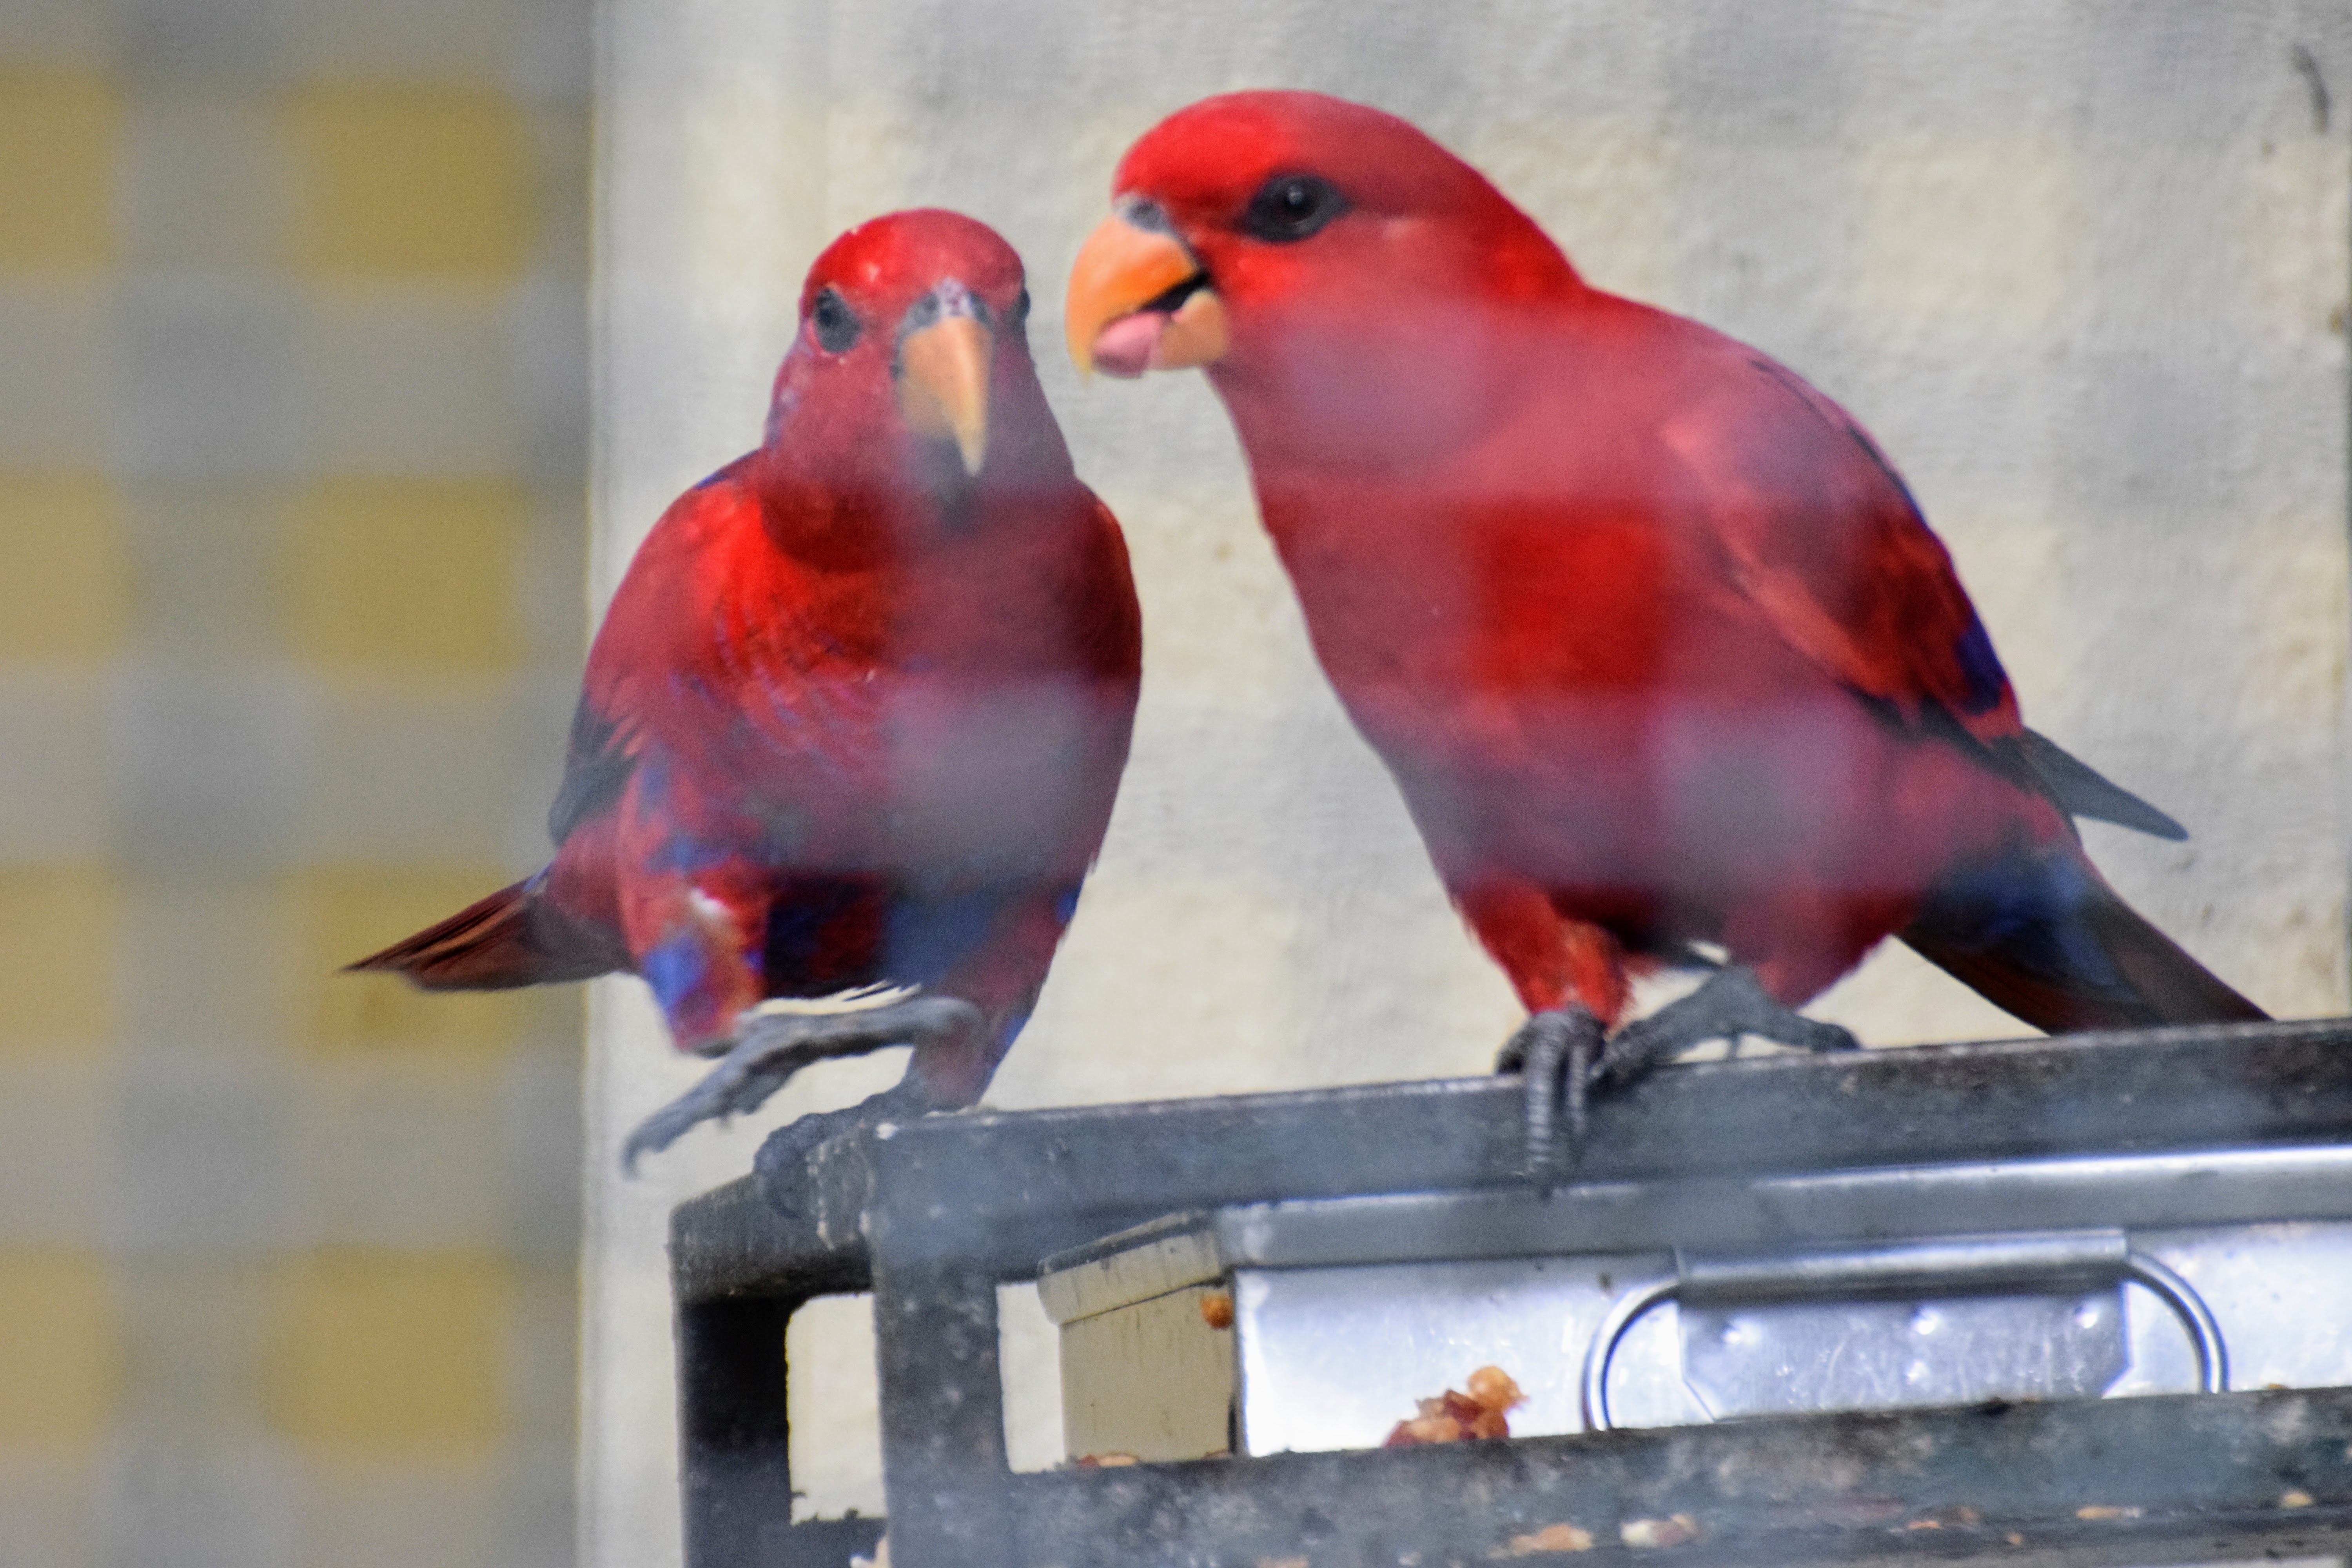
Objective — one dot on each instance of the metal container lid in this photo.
(2218, 1186)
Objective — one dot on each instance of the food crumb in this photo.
(1217, 1311)
(1450, 1417)
(1925, 1524)
(2294, 1500)
(1672, 1532)
(2102, 1511)
(1551, 1538)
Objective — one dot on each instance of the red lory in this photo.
(1660, 651)
(851, 730)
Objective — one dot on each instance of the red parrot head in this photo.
(912, 363)
(1297, 243)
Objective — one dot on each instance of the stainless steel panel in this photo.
(1750, 1360)
(1350, 1311)
(2282, 1297)
(2202, 1187)
(1333, 1358)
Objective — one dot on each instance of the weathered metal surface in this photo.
(951, 1206)
(2121, 1480)
(740, 1269)
(732, 1241)
(1880, 1355)
(1015, 1187)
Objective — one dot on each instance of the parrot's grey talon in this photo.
(1554, 1049)
(1731, 1004)
(1513, 1057)
(1578, 1078)
(773, 1047)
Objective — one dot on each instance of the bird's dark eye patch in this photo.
(1290, 207)
(835, 324)
(1142, 213)
(1020, 306)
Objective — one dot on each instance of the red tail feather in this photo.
(510, 939)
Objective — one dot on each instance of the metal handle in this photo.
(1951, 1263)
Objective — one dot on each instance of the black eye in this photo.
(1020, 307)
(1292, 206)
(836, 327)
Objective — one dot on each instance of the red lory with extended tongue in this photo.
(1655, 642)
(853, 725)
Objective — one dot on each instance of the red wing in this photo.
(702, 655)
(1819, 533)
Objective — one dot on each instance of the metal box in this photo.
(1666, 1303)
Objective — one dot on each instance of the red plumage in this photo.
(1653, 637)
(859, 709)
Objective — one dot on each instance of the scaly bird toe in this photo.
(1553, 1052)
(1732, 1003)
(773, 1047)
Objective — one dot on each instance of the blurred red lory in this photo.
(852, 726)
(1656, 643)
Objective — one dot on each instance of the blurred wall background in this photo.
(2082, 268)
(292, 462)
(293, 383)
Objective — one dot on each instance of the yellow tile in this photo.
(60, 1355)
(415, 573)
(2291, 603)
(412, 181)
(57, 177)
(1968, 235)
(2291, 244)
(346, 914)
(58, 930)
(65, 587)
(385, 1351)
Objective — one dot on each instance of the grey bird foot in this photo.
(1732, 1003)
(782, 1165)
(775, 1046)
(1554, 1053)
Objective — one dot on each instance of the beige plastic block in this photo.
(1154, 1379)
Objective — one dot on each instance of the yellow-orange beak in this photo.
(1139, 302)
(943, 371)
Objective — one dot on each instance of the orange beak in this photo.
(1139, 302)
(943, 383)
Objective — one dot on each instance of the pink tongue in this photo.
(1124, 348)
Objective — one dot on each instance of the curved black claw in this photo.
(1732, 1003)
(781, 1163)
(776, 1045)
(1554, 1052)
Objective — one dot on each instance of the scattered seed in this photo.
(1551, 1538)
(1672, 1532)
